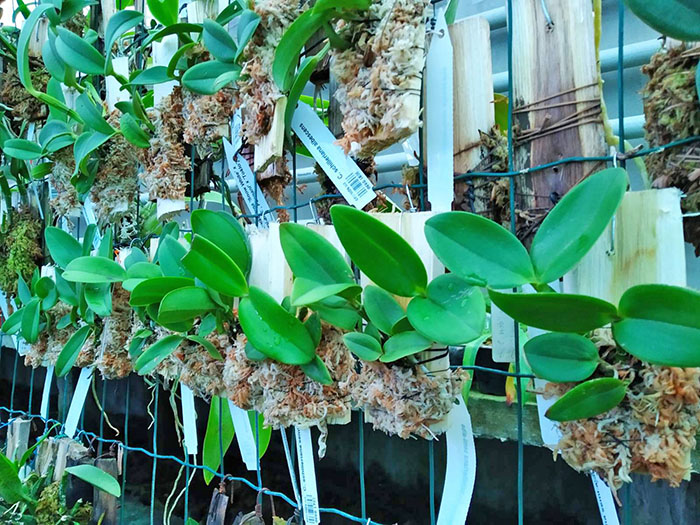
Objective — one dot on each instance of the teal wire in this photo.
(621, 72)
(431, 479)
(155, 452)
(361, 454)
(125, 450)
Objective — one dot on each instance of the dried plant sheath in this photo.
(379, 75)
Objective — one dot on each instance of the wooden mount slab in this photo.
(555, 78)
(18, 438)
(647, 247)
(105, 505)
(271, 147)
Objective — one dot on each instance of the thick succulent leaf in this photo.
(381, 253)
(679, 19)
(274, 331)
(453, 313)
(403, 345)
(660, 325)
(577, 221)
(382, 309)
(479, 250)
(214, 268)
(556, 312)
(363, 346)
(588, 399)
(562, 358)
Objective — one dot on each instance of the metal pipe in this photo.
(635, 55)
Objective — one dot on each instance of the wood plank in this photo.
(18, 438)
(647, 247)
(105, 505)
(557, 98)
(473, 90)
(271, 146)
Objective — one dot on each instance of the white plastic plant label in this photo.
(307, 476)
(606, 503)
(439, 106)
(78, 402)
(244, 435)
(163, 51)
(236, 125)
(189, 420)
(502, 335)
(46, 393)
(341, 169)
(247, 185)
(461, 467)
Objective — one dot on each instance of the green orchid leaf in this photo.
(208, 346)
(291, 44)
(318, 371)
(66, 290)
(63, 247)
(577, 221)
(224, 230)
(78, 53)
(556, 312)
(403, 345)
(23, 292)
(306, 69)
(169, 257)
(71, 350)
(588, 399)
(135, 256)
(306, 292)
(453, 313)
(479, 250)
(41, 170)
(402, 325)
(253, 353)
(45, 289)
(106, 246)
(13, 323)
(182, 29)
(185, 304)
(469, 359)
(313, 326)
(206, 78)
(137, 341)
(165, 11)
(218, 437)
(382, 309)
(91, 114)
(132, 132)
(99, 298)
(562, 358)
(363, 346)
(93, 269)
(12, 490)
(89, 238)
(119, 23)
(229, 12)
(86, 143)
(660, 325)
(214, 268)
(218, 42)
(151, 76)
(139, 272)
(154, 354)
(674, 18)
(96, 477)
(338, 312)
(312, 257)
(351, 5)
(274, 331)
(381, 253)
(22, 149)
(30, 320)
(247, 24)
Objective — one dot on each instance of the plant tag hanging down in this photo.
(189, 421)
(307, 476)
(247, 185)
(46, 393)
(236, 125)
(78, 402)
(342, 170)
(244, 435)
(461, 467)
(606, 503)
(439, 105)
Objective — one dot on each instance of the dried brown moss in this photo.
(672, 112)
(652, 431)
(51, 340)
(165, 163)
(114, 361)
(206, 119)
(66, 201)
(379, 75)
(404, 400)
